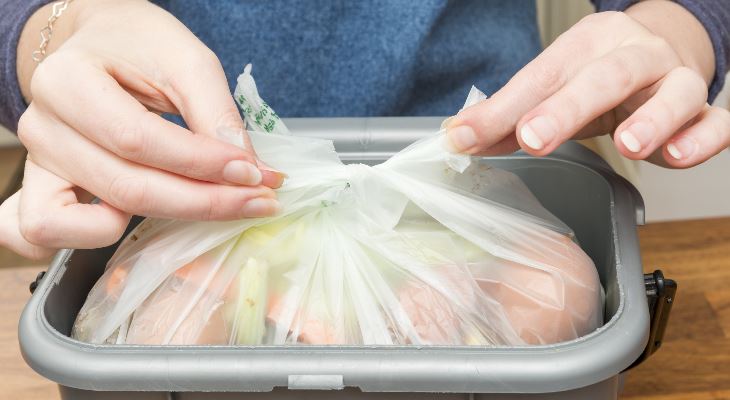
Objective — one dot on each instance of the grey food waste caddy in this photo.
(575, 184)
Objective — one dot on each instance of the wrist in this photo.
(30, 40)
(682, 30)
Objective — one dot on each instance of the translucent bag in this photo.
(428, 247)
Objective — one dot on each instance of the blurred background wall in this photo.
(6, 138)
(700, 192)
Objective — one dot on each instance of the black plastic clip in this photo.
(660, 293)
(34, 285)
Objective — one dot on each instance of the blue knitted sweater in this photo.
(359, 58)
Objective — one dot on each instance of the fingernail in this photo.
(462, 137)
(242, 173)
(674, 151)
(446, 122)
(276, 171)
(683, 147)
(272, 178)
(537, 132)
(636, 137)
(260, 207)
(231, 135)
(630, 141)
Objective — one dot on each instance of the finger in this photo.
(596, 89)
(508, 145)
(137, 189)
(150, 94)
(607, 122)
(681, 96)
(270, 176)
(488, 122)
(201, 93)
(207, 106)
(708, 136)
(93, 103)
(10, 236)
(52, 216)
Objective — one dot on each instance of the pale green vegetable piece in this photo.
(250, 311)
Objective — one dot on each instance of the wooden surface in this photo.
(18, 381)
(693, 363)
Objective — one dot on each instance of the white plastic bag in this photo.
(428, 247)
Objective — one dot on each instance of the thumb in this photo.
(206, 105)
(201, 94)
(270, 176)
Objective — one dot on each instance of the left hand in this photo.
(608, 74)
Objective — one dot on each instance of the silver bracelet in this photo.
(47, 32)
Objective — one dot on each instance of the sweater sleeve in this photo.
(714, 15)
(13, 15)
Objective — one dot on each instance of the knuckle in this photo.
(52, 73)
(604, 18)
(567, 113)
(230, 118)
(203, 62)
(28, 129)
(208, 58)
(581, 43)
(224, 203)
(591, 19)
(618, 72)
(37, 253)
(213, 207)
(35, 228)
(128, 140)
(130, 193)
(546, 79)
(195, 165)
(664, 50)
(661, 44)
(116, 232)
(199, 66)
(685, 73)
(692, 79)
(110, 236)
(44, 78)
(615, 18)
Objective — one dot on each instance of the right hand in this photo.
(93, 129)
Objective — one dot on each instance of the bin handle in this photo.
(37, 281)
(660, 294)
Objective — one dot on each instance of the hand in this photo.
(609, 74)
(93, 127)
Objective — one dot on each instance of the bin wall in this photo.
(606, 390)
